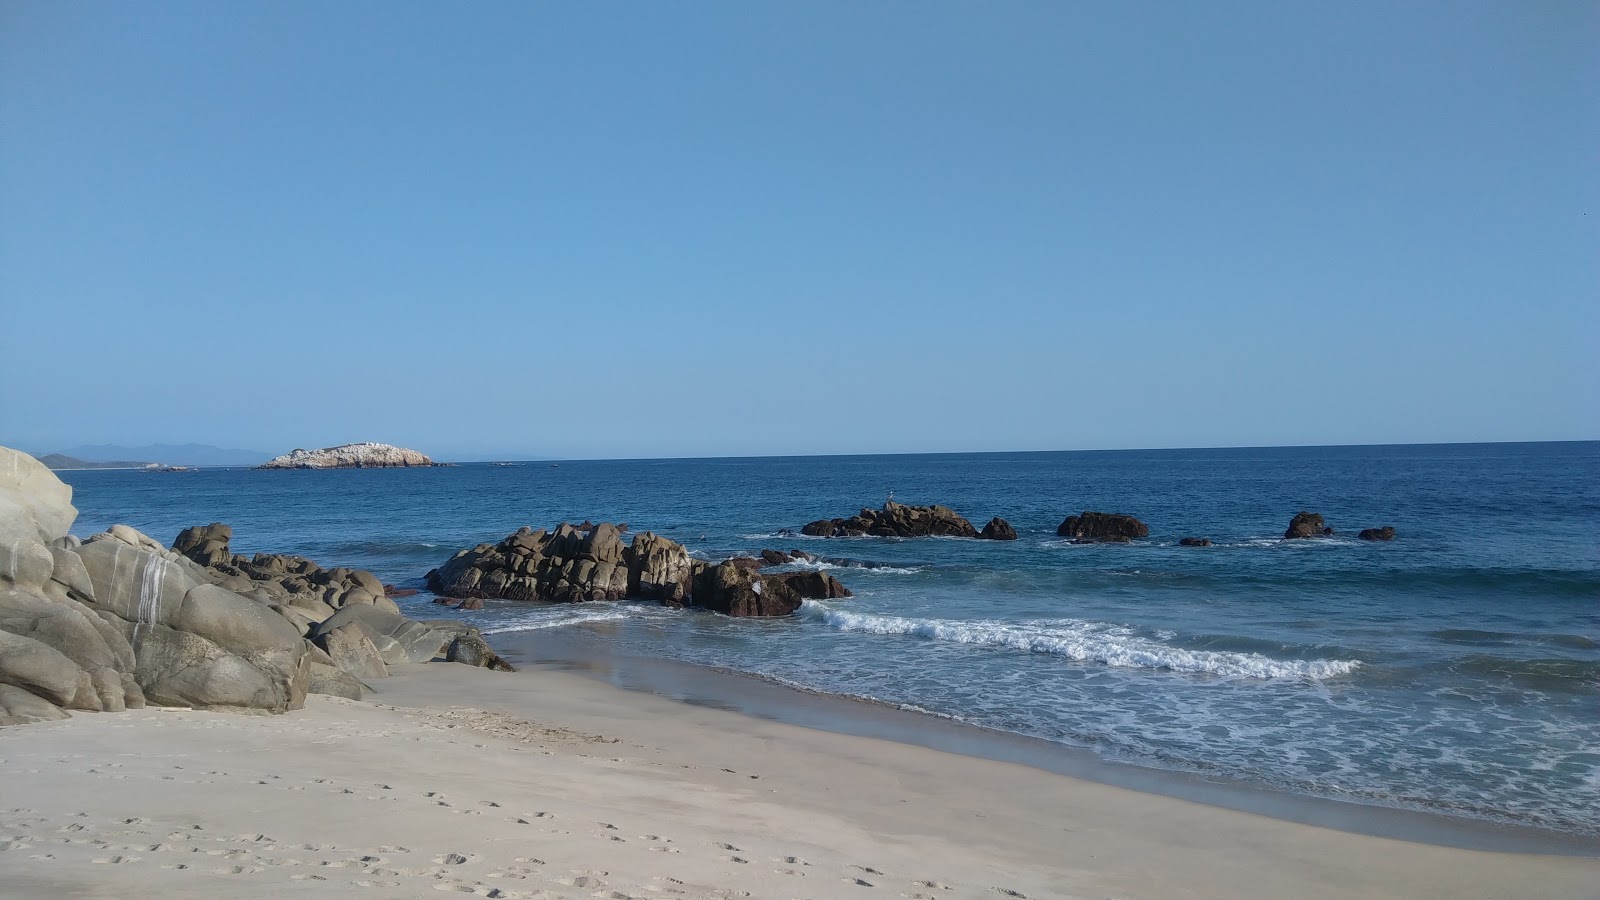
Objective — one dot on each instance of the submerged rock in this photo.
(1386, 533)
(366, 455)
(1098, 527)
(1194, 542)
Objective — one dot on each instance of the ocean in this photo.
(1453, 671)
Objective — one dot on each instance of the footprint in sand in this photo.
(488, 803)
(116, 860)
(728, 847)
(869, 871)
(859, 882)
(1008, 892)
(454, 859)
(936, 885)
(236, 870)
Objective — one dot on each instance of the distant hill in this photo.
(62, 461)
(169, 454)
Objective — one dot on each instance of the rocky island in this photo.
(366, 455)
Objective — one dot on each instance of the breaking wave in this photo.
(1112, 645)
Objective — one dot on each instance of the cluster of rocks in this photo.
(899, 520)
(118, 621)
(571, 565)
(1088, 527)
(366, 455)
(1311, 525)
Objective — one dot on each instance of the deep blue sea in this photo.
(1455, 670)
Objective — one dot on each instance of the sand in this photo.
(548, 784)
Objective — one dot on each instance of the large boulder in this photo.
(335, 682)
(811, 585)
(20, 707)
(351, 649)
(40, 669)
(568, 565)
(206, 544)
(1306, 525)
(398, 639)
(33, 501)
(1386, 533)
(1099, 527)
(998, 529)
(895, 520)
(195, 644)
(736, 591)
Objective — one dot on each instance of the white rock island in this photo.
(366, 455)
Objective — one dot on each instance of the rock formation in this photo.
(1194, 542)
(895, 520)
(1101, 528)
(1306, 525)
(118, 620)
(1386, 533)
(366, 455)
(998, 529)
(569, 565)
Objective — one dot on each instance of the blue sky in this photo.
(725, 229)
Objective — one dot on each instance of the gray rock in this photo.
(473, 650)
(19, 707)
(351, 649)
(416, 642)
(41, 669)
(336, 682)
(34, 503)
(69, 631)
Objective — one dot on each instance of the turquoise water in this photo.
(1456, 670)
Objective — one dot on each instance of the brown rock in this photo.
(1386, 533)
(1098, 527)
(998, 529)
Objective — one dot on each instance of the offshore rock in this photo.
(736, 591)
(366, 455)
(998, 529)
(1098, 527)
(568, 565)
(895, 520)
(1386, 533)
(1306, 525)
(1194, 542)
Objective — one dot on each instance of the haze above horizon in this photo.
(790, 229)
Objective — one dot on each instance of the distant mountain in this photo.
(62, 461)
(169, 454)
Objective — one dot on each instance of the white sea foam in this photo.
(1082, 641)
(580, 614)
(801, 565)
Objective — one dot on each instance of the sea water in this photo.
(1455, 670)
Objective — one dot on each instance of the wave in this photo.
(383, 548)
(1082, 641)
(1478, 638)
(850, 565)
(545, 618)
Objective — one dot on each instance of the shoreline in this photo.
(550, 784)
(581, 650)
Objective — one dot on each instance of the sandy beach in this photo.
(548, 784)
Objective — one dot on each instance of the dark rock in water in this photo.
(998, 529)
(390, 590)
(567, 565)
(470, 604)
(812, 585)
(1098, 527)
(785, 532)
(444, 601)
(895, 520)
(1194, 542)
(1386, 533)
(1306, 525)
(735, 591)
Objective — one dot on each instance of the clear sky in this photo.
(719, 228)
